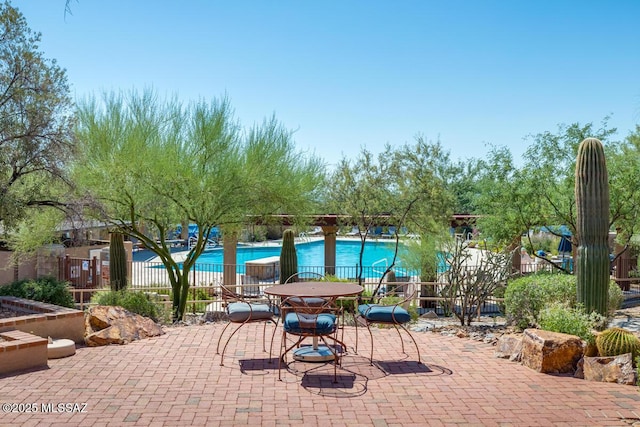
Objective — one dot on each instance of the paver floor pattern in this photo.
(176, 380)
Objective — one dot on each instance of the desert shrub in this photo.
(523, 300)
(559, 317)
(198, 294)
(525, 297)
(498, 293)
(616, 297)
(560, 288)
(135, 302)
(44, 289)
(334, 278)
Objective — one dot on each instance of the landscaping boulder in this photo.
(106, 325)
(551, 352)
(610, 369)
(509, 346)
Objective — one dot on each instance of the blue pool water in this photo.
(377, 255)
(311, 254)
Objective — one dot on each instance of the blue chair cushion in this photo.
(314, 324)
(243, 312)
(384, 313)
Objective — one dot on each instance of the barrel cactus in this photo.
(592, 205)
(616, 341)
(117, 262)
(288, 256)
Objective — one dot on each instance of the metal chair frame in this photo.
(229, 297)
(307, 313)
(395, 323)
(320, 278)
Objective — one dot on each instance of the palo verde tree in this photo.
(153, 164)
(400, 188)
(623, 165)
(36, 138)
(429, 181)
(362, 193)
(514, 200)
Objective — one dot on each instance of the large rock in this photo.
(114, 325)
(551, 352)
(611, 369)
(509, 346)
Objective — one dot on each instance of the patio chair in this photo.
(308, 318)
(242, 311)
(389, 309)
(306, 276)
(250, 286)
(312, 276)
(293, 301)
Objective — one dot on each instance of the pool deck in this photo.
(177, 380)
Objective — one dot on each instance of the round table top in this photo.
(315, 289)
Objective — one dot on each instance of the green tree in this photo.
(36, 138)
(514, 200)
(401, 187)
(428, 181)
(362, 192)
(623, 165)
(154, 164)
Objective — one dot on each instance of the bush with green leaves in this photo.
(523, 300)
(499, 294)
(135, 302)
(198, 294)
(44, 289)
(616, 297)
(559, 317)
(526, 296)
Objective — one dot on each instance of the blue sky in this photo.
(351, 74)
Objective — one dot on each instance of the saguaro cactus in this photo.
(117, 262)
(288, 256)
(592, 204)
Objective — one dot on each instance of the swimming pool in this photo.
(377, 256)
(311, 254)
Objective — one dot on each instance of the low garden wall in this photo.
(43, 320)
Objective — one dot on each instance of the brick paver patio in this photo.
(176, 380)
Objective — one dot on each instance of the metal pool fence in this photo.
(205, 294)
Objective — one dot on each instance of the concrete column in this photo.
(229, 259)
(329, 232)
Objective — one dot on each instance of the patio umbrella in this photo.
(565, 244)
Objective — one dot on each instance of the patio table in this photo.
(325, 290)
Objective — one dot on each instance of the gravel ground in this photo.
(6, 313)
